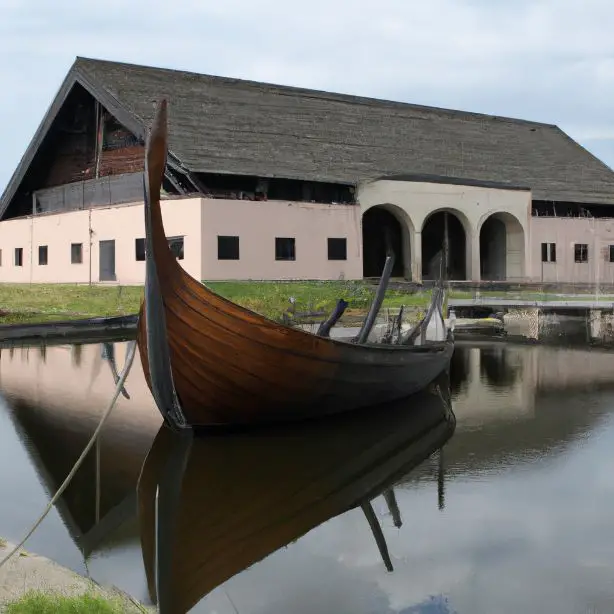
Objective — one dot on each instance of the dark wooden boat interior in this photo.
(209, 361)
(210, 507)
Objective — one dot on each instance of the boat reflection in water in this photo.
(213, 505)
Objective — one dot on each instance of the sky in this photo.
(543, 60)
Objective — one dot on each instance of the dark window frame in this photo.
(228, 247)
(18, 256)
(139, 250)
(580, 253)
(285, 249)
(43, 255)
(76, 253)
(549, 252)
(337, 248)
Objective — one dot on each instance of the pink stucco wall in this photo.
(199, 221)
(598, 234)
(258, 223)
(122, 223)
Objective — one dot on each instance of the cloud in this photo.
(548, 60)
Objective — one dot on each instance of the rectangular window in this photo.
(227, 248)
(139, 249)
(42, 255)
(76, 253)
(581, 252)
(611, 254)
(285, 248)
(176, 245)
(548, 252)
(337, 249)
(0, 257)
(19, 256)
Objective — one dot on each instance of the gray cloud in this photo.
(548, 60)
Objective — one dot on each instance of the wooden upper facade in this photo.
(240, 139)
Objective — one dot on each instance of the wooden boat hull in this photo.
(242, 497)
(229, 371)
(216, 362)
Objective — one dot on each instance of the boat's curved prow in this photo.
(153, 340)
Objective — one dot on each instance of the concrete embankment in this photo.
(27, 572)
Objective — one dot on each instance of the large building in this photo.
(272, 182)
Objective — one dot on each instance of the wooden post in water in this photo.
(335, 316)
(377, 301)
(441, 474)
(393, 507)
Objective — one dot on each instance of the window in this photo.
(337, 249)
(611, 254)
(76, 253)
(285, 248)
(0, 257)
(548, 252)
(19, 256)
(176, 245)
(227, 248)
(581, 252)
(42, 255)
(139, 249)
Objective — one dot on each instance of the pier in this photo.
(538, 317)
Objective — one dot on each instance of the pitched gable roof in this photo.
(233, 126)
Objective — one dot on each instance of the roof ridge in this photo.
(325, 94)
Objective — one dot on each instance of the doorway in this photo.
(107, 260)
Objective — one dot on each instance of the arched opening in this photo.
(433, 233)
(501, 248)
(379, 224)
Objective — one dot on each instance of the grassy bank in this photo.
(51, 603)
(48, 302)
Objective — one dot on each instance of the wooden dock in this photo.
(606, 303)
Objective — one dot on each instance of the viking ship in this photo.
(209, 361)
(210, 507)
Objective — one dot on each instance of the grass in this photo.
(272, 298)
(20, 303)
(51, 603)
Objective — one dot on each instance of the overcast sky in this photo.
(549, 60)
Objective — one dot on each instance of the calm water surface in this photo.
(514, 514)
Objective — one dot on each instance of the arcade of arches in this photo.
(501, 245)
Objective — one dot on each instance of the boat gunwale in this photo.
(432, 346)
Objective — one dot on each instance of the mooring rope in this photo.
(118, 388)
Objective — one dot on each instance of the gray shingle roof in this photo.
(228, 125)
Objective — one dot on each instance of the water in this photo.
(513, 514)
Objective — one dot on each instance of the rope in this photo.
(129, 360)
